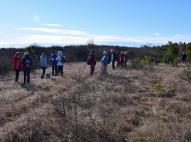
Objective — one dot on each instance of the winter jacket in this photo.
(121, 57)
(105, 59)
(43, 61)
(27, 62)
(53, 60)
(17, 65)
(91, 60)
(60, 60)
(114, 56)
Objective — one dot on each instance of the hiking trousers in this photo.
(92, 68)
(113, 64)
(54, 70)
(43, 72)
(103, 69)
(60, 70)
(17, 75)
(26, 75)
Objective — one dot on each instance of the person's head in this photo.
(53, 52)
(60, 53)
(43, 54)
(26, 54)
(104, 52)
(92, 53)
(17, 54)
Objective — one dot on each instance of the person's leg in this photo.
(53, 71)
(62, 72)
(113, 64)
(101, 69)
(92, 67)
(43, 72)
(28, 75)
(25, 76)
(57, 70)
(105, 69)
(90, 70)
(17, 75)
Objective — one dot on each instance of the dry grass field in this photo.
(149, 104)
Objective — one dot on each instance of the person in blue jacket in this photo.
(104, 63)
(54, 63)
(27, 64)
(43, 64)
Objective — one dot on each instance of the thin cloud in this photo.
(52, 25)
(56, 31)
(63, 36)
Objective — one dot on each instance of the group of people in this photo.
(25, 64)
(57, 60)
(119, 58)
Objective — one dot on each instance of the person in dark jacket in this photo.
(17, 65)
(113, 58)
(92, 62)
(54, 63)
(27, 63)
(183, 57)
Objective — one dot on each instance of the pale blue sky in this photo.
(115, 22)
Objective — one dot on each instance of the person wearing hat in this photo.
(43, 64)
(60, 62)
(27, 64)
(104, 63)
(17, 65)
(92, 62)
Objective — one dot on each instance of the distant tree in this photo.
(90, 42)
(188, 50)
(171, 53)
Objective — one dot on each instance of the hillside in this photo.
(150, 104)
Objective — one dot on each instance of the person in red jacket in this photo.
(121, 59)
(17, 65)
(92, 62)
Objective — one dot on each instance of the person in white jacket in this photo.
(60, 63)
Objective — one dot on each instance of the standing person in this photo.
(121, 59)
(27, 63)
(92, 62)
(60, 62)
(126, 58)
(43, 64)
(54, 63)
(17, 65)
(113, 58)
(104, 63)
(183, 57)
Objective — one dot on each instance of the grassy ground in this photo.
(151, 104)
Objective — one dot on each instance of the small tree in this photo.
(171, 53)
